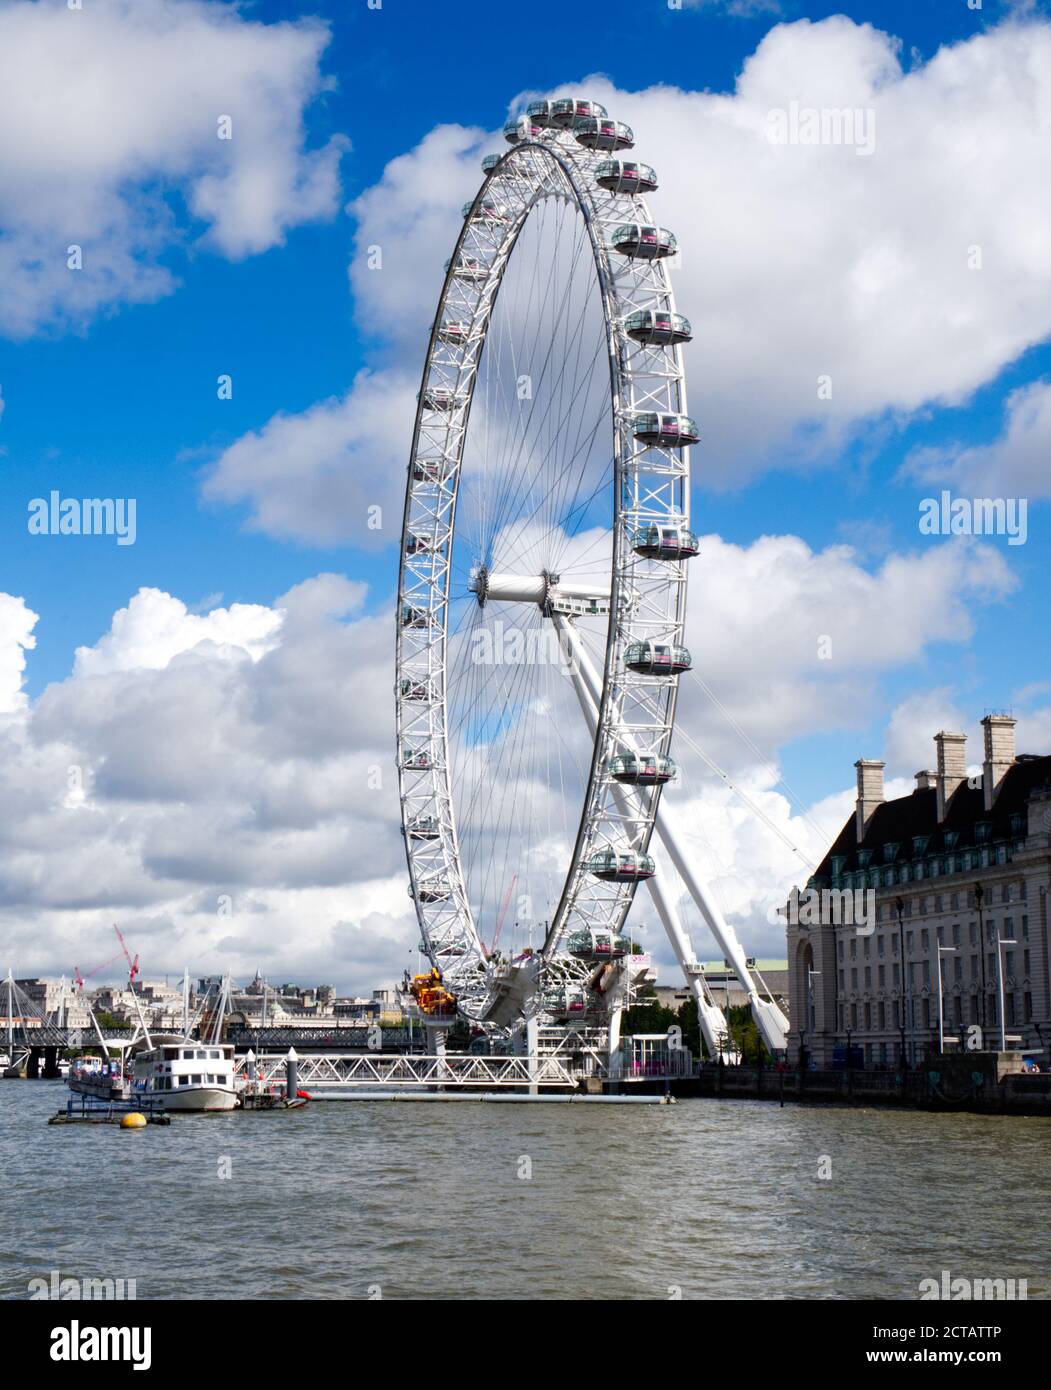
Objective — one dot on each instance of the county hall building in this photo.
(962, 864)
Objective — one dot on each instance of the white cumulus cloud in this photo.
(114, 109)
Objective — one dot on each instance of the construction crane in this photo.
(133, 965)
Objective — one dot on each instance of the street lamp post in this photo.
(1001, 942)
(979, 898)
(946, 951)
(811, 1014)
(899, 904)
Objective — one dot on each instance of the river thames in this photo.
(706, 1198)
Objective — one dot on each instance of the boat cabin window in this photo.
(171, 1054)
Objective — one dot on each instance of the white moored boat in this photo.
(185, 1074)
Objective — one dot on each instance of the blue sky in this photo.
(124, 404)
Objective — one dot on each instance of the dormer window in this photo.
(982, 829)
(864, 855)
(919, 845)
(951, 838)
(890, 851)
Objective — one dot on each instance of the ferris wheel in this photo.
(542, 588)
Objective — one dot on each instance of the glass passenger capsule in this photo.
(522, 128)
(658, 326)
(665, 431)
(453, 331)
(657, 659)
(434, 890)
(490, 162)
(665, 543)
(414, 617)
(643, 243)
(569, 1002)
(422, 827)
(597, 945)
(539, 112)
(620, 866)
(642, 769)
(417, 544)
(486, 211)
(626, 176)
(467, 268)
(415, 689)
(431, 470)
(416, 759)
(567, 111)
(600, 133)
(441, 398)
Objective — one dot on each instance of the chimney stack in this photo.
(926, 779)
(952, 768)
(870, 792)
(999, 753)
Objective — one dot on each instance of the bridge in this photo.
(321, 1073)
(359, 1038)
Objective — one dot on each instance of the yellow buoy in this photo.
(133, 1121)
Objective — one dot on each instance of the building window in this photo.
(1027, 1005)
(974, 968)
(882, 1014)
(1025, 927)
(854, 978)
(895, 975)
(956, 934)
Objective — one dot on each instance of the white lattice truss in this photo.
(391, 1073)
(651, 486)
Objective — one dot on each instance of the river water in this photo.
(706, 1198)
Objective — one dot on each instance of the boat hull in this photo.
(197, 1098)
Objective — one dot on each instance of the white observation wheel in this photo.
(544, 554)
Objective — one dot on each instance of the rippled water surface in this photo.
(713, 1198)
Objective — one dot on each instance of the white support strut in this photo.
(712, 1020)
(769, 1018)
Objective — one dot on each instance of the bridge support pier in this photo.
(51, 1071)
(436, 1045)
(33, 1064)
